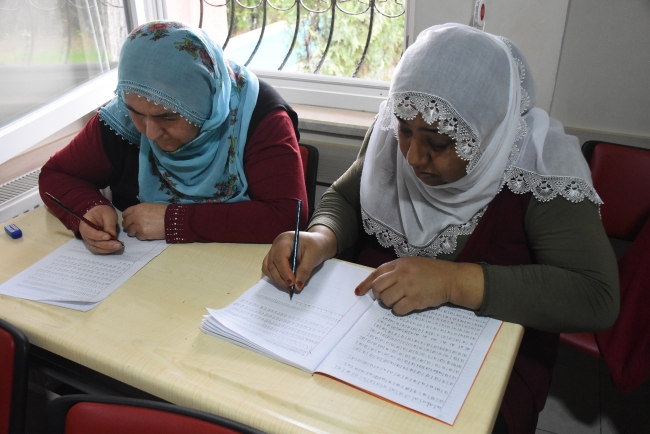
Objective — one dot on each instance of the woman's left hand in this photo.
(145, 221)
(416, 283)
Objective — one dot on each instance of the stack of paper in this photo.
(425, 361)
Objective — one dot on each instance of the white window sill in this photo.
(333, 121)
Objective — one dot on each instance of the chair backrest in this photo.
(99, 414)
(621, 176)
(14, 354)
(309, 155)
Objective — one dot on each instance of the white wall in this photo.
(603, 82)
(590, 58)
(535, 26)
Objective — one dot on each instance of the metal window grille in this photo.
(329, 10)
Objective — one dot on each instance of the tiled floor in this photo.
(583, 400)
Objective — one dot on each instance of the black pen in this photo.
(294, 255)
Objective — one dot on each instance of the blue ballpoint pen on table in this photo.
(294, 255)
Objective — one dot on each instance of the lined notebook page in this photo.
(426, 361)
(74, 277)
(299, 332)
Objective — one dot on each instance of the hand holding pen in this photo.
(315, 246)
(99, 233)
(294, 255)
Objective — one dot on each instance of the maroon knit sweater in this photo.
(272, 166)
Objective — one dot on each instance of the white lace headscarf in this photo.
(477, 87)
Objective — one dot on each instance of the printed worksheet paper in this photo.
(74, 277)
(299, 332)
(426, 361)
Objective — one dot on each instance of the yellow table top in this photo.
(146, 334)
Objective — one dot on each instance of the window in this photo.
(52, 46)
(345, 38)
(300, 46)
(55, 63)
(60, 55)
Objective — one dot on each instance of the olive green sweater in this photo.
(572, 287)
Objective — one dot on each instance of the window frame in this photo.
(23, 133)
(327, 91)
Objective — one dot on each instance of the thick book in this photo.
(425, 361)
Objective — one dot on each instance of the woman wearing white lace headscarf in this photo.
(469, 194)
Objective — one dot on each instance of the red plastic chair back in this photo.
(101, 414)
(98, 418)
(621, 176)
(14, 352)
(7, 355)
(309, 155)
(304, 156)
(585, 342)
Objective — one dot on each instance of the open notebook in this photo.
(426, 361)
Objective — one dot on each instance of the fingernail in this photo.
(299, 284)
(356, 291)
(289, 282)
(117, 246)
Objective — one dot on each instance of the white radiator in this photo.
(19, 196)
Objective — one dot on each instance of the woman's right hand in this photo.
(105, 217)
(314, 247)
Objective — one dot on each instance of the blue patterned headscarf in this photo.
(181, 68)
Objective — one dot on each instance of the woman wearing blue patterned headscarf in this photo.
(208, 92)
(188, 113)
